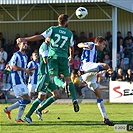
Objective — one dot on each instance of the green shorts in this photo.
(58, 65)
(44, 84)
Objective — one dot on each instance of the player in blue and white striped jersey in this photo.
(91, 68)
(18, 65)
(34, 66)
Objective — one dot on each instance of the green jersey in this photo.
(43, 52)
(60, 40)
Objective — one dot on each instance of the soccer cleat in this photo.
(27, 119)
(67, 90)
(76, 106)
(39, 114)
(19, 120)
(108, 122)
(7, 113)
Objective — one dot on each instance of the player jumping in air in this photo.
(61, 39)
(90, 68)
(18, 65)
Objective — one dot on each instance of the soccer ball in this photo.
(81, 12)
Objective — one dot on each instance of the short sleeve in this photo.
(30, 65)
(14, 60)
(47, 33)
(43, 51)
(71, 41)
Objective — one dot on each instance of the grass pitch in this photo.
(87, 120)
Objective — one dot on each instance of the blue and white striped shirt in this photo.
(20, 60)
(33, 77)
(89, 55)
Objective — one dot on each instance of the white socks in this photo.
(20, 112)
(100, 105)
(13, 106)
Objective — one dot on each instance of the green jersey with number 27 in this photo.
(60, 40)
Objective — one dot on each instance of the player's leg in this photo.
(18, 93)
(55, 95)
(42, 83)
(93, 68)
(101, 107)
(23, 93)
(54, 72)
(91, 81)
(8, 109)
(35, 104)
(31, 88)
(65, 70)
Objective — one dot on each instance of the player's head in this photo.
(35, 56)
(63, 20)
(100, 42)
(23, 45)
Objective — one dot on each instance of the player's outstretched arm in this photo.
(32, 38)
(83, 45)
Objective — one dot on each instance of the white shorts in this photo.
(90, 67)
(20, 90)
(90, 79)
(31, 87)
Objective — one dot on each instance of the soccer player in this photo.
(34, 66)
(90, 68)
(61, 39)
(18, 64)
(43, 85)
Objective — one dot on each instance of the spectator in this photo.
(129, 76)
(121, 48)
(119, 37)
(82, 37)
(71, 65)
(120, 75)
(25, 35)
(3, 58)
(119, 61)
(109, 39)
(111, 74)
(2, 39)
(16, 48)
(129, 49)
(9, 49)
(15, 42)
(129, 36)
(91, 38)
(76, 81)
(29, 52)
(76, 63)
(75, 38)
(107, 60)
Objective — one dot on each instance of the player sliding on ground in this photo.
(90, 69)
(61, 39)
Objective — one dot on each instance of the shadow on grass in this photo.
(65, 123)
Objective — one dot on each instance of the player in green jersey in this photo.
(61, 39)
(43, 85)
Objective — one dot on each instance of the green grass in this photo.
(88, 120)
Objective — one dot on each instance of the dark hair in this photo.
(62, 19)
(99, 39)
